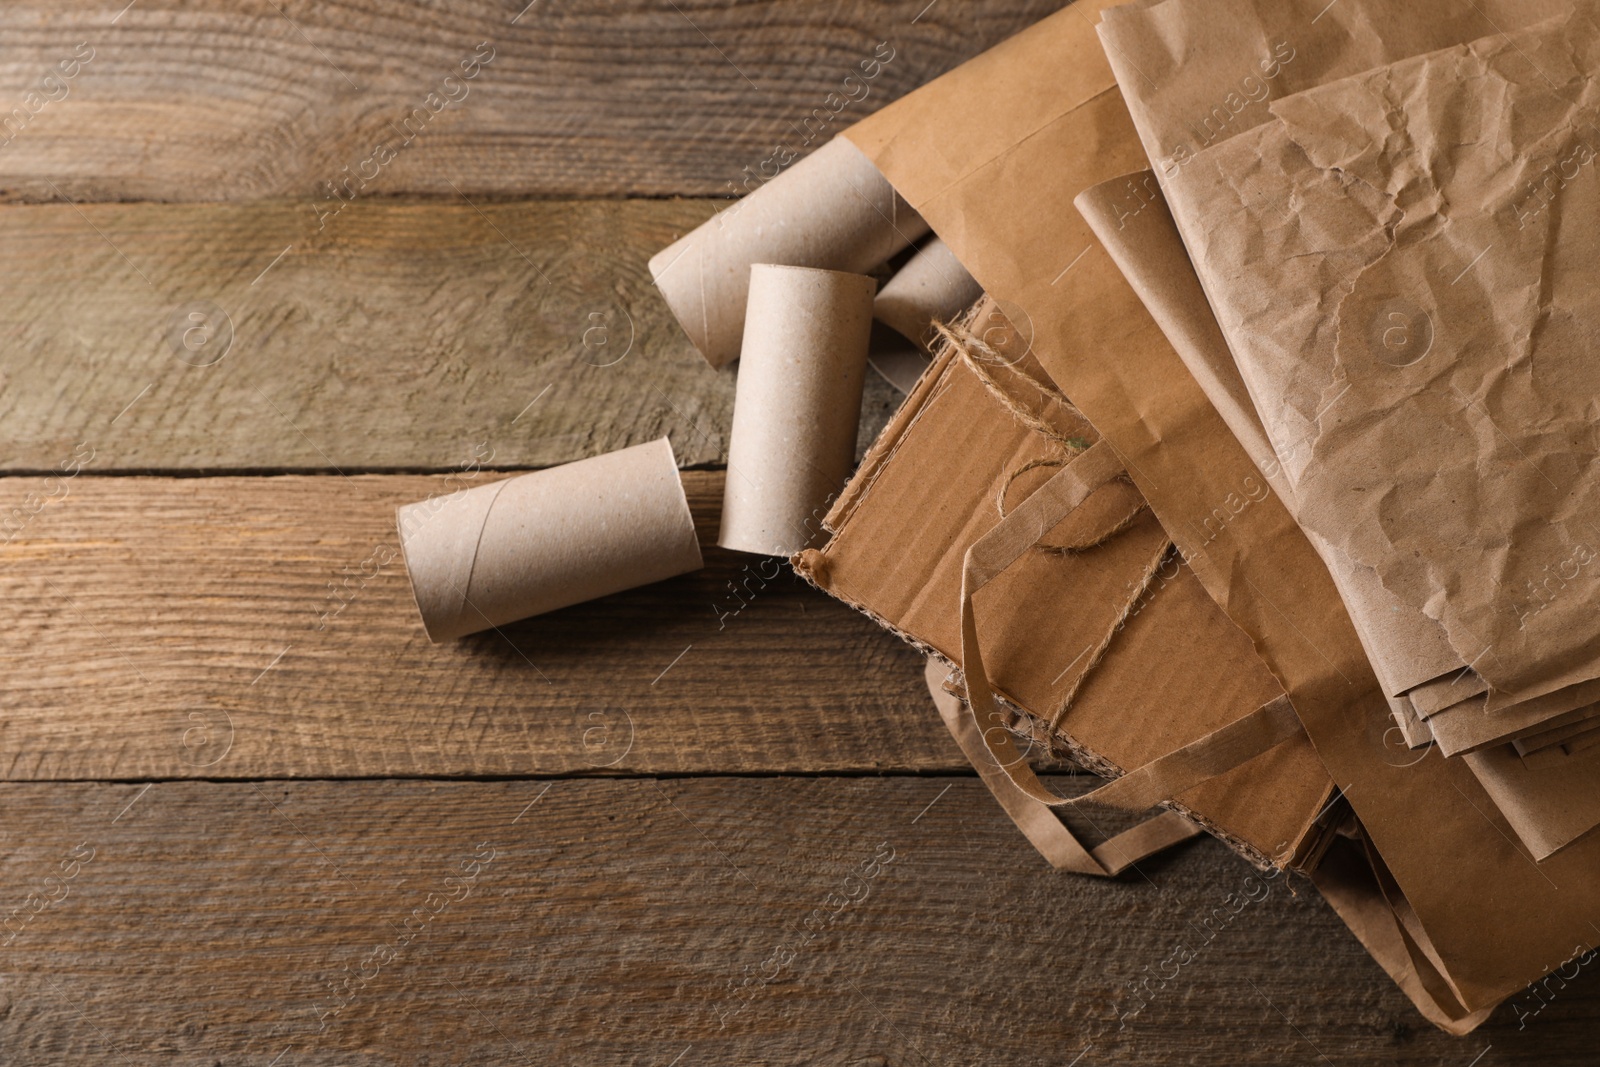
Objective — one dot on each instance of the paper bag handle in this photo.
(1157, 781)
(1048, 834)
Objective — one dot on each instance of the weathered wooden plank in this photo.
(211, 101)
(643, 922)
(251, 626)
(401, 336)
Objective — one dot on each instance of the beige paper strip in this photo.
(1159, 780)
(797, 406)
(932, 287)
(496, 553)
(1038, 823)
(831, 210)
(1347, 880)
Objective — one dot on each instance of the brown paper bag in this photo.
(1430, 818)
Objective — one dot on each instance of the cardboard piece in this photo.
(932, 287)
(496, 553)
(797, 405)
(831, 210)
(926, 492)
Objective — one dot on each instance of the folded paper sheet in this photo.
(797, 406)
(1442, 393)
(496, 553)
(831, 210)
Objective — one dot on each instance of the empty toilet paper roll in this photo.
(901, 365)
(933, 285)
(496, 553)
(831, 210)
(797, 405)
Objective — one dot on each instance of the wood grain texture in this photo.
(400, 336)
(222, 101)
(263, 627)
(632, 922)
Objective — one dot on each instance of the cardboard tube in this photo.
(831, 210)
(901, 365)
(933, 285)
(797, 405)
(496, 553)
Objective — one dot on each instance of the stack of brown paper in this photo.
(1007, 246)
(1474, 971)
(493, 554)
(1417, 452)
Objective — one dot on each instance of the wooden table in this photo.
(251, 815)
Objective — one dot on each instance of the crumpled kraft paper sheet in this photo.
(1406, 265)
